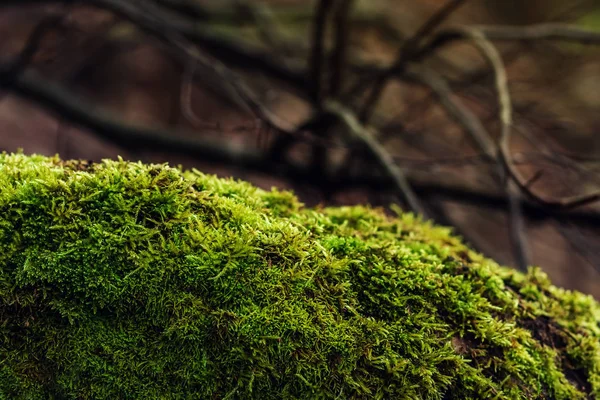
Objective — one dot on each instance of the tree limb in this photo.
(317, 62)
(405, 54)
(340, 49)
(378, 151)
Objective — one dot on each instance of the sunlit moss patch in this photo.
(133, 281)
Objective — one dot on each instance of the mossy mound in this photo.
(132, 281)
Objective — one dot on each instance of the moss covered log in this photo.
(133, 281)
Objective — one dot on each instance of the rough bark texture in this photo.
(125, 280)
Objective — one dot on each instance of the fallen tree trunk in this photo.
(125, 280)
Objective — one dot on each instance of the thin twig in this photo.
(534, 178)
(377, 150)
(11, 70)
(317, 58)
(55, 99)
(552, 31)
(513, 182)
(150, 20)
(265, 22)
(405, 55)
(548, 31)
(341, 47)
(223, 47)
(580, 243)
(186, 8)
(186, 99)
(495, 61)
(473, 126)
(492, 56)
(456, 109)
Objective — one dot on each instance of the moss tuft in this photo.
(125, 280)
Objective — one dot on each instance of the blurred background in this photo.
(344, 102)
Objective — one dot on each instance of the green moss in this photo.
(125, 280)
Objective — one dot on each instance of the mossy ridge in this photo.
(125, 280)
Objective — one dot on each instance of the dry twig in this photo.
(317, 61)
(10, 71)
(405, 55)
(473, 126)
(378, 151)
(338, 63)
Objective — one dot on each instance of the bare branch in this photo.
(55, 99)
(186, 99)
(492, 56)
(186, 8)
(551, 31)
(317, 59)
(405, 55)
(9, 71)
(222, 47)
(153, 22)
(456, 109)
(482, 138)
(534, 178)
(265, 22)
(341, 47)
(516, 222)
(360, 133)
(495, 61)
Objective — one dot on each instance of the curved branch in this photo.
(57, 100)
(360, 133)
(550, 31)
(225, 48)
(483, 139)
(317, 58)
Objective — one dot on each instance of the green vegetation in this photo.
(133, 281)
